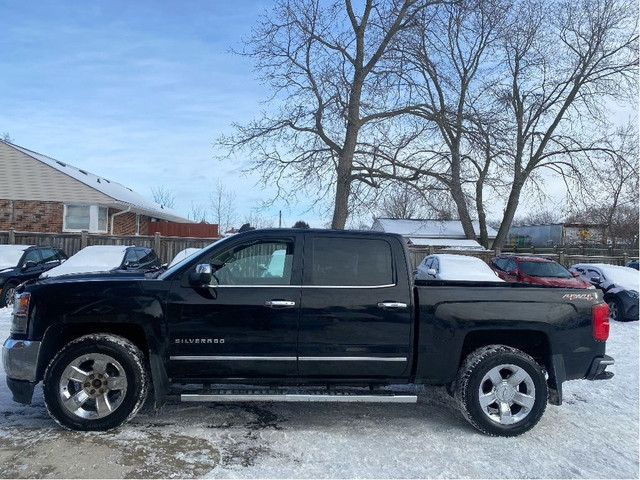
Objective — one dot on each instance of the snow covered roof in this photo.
(123, 197)
(426, 228)
(445, 243)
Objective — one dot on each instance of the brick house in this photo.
(41, 194)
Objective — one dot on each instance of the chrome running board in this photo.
(293, 397)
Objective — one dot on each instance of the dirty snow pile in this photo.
(594, 434)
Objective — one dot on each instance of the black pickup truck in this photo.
(300, 315)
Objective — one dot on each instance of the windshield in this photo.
(545, 269)
(10, 255)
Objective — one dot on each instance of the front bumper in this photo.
(20, 360)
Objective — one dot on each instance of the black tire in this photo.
(616, 310)
(96, 382)
(6, 298)
(490, 401)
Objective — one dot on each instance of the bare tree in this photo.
(163, 196)
(452, 67)
(539, 217)
(223, 206)
(198, 212)
(334, 71)
(611, 197)
(406, 202)
(564, 60)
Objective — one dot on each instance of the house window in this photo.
(92, 218)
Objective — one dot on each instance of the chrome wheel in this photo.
(614, 310)
(507, 394)
(92, 386)
(9, 294)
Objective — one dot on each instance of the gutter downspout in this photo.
(119, 213)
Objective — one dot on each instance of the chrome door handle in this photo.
(386, 305)
(279, 304)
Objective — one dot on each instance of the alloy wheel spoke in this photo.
(505, 414)
(487, 399)
(526, 401)
(117, 383)
(99, 365)
(103, 406)
(76, 401)
(78, 375)
(495, 377)
(517, 377)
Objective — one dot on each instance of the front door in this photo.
(355, 320)
(245, 323)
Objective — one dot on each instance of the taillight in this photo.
(600, 318)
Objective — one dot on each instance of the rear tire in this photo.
(96, 382)
(616, 311)
(501, 391)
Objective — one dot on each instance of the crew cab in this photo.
(300, 315)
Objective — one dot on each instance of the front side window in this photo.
(92, 218)
(262, 263)
(31, 256)
(351, 262)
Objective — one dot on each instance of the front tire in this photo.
(96, 382)
(501, 391)
(8, 292)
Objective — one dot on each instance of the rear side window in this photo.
(147, 256)
(49, 255)
(351, 262)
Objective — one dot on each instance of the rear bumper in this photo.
(597, 371)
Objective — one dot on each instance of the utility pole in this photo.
(280, 219)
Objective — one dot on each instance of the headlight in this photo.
(20, 313)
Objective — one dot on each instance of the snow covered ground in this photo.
(593, 435)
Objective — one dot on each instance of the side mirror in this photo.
(513, 273)
(29, 264)
(595, 280)
(431, 272)
(575, 274)
(201, 276)
(131, 265)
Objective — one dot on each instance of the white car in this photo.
(107, 258)
(183, 254)
(444, 266)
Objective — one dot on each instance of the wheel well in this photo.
(534, 343)
(55, 338)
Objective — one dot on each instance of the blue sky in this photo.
(135, 91)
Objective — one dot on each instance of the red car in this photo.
(538, 270)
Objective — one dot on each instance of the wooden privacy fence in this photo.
(167, 247)
(70, 243)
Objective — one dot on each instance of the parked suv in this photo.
(537, 270)
(19, 263)
(108, 258)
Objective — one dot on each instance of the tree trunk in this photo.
(459, 198)
(509, 213)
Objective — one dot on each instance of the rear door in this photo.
(355, 320)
